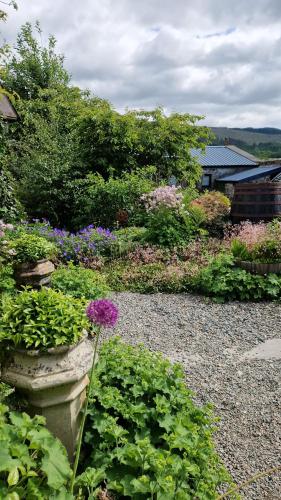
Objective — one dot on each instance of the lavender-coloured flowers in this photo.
(103, 313)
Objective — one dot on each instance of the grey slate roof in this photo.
(252, 174)
(222, 156)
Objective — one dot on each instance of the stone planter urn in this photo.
(54, 383)
(258, 268)
(35, 274)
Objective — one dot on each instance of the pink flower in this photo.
(102, 313)
(166, 196)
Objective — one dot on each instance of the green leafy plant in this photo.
(239, 250)
(80, 282)
(7, 282)
(223, 281)
(33, 464)
(267, 251)
(30, 248)
(145, 438)
(42, 319)
(169, 228)
(126, 240)
(102, 202)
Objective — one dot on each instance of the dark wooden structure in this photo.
(256, 201)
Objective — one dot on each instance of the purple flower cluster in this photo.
(102, 313)
(80, 247)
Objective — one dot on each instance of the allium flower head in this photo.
(103, 313)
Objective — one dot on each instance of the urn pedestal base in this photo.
(54, 384)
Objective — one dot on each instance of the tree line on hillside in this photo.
(67, 138)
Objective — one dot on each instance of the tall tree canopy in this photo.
(64, 133)
(33, 67)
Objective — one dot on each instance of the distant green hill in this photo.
(261, 142)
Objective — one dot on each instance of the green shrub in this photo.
(169, 228)
(7, 282)
(42, 319)
(79, 282)
(126, 240)
(33, 464)
(101, 201)
(144, 435)
(223, 281)
(10, 208)
(31, 248)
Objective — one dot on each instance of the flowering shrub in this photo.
(256, 242)
(83, 246)
(214, 205)
(145, 438)
(166, 196)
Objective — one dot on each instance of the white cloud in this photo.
(218, 58)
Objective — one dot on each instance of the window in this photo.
(206, 180)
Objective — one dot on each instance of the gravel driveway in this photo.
(213, 341)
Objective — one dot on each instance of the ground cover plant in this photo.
(223, 281)
(79, 282)
(145, 438)
(33, 464)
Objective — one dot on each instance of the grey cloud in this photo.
(212, 57)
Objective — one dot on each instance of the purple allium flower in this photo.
(102, 313)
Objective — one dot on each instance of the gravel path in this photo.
(211, 340)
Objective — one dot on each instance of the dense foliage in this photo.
(145, 438)
(65, 134)
(115, 201)
(7, 282)
(79, 282)
(259, 243)
(223, 281)
(33, 464)
(10, 208)
(42, 319)
(110, 141)
(29, 248)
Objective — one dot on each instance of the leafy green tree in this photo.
(64, 134)
(112, 142)
(33, 67)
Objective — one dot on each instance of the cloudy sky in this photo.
(218, 58)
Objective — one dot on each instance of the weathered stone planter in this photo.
(35, 274)
(54, 383)
(257, 268)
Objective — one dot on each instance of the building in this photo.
(221, 161)
(7, 110)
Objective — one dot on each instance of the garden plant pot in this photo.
(35, 274)
(54, 383)
(258, 268)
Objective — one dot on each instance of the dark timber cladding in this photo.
(256, 201)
